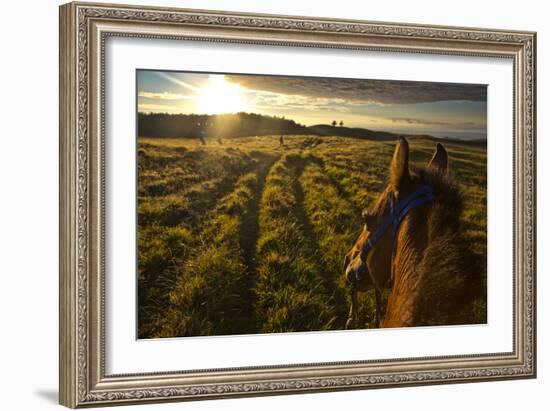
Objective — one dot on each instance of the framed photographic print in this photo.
(259, 204)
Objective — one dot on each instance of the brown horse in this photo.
(422, 259)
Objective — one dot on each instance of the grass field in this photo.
(245, 236)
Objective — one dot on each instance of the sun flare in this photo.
(220, 96)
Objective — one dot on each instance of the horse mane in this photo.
(446, 190)
(440, 282)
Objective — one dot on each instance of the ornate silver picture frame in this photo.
(84, 30)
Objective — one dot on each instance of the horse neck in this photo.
(426, 248)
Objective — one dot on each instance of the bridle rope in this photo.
(422, 195)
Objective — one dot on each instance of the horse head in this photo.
(370, 262)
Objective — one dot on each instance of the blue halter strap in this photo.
(422, 195)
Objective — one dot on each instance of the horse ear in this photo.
(399, 171)
(439, 159)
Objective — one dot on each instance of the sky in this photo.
(438, 109)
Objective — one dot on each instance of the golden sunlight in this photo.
(220, 96)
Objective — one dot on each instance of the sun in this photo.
(220, 96)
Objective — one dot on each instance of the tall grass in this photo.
(334, 220)
(291, 292)
(230, 242)
(171, 219)
(210, 294)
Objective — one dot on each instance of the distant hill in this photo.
(162, 125)
(328, 130)
(365, 133)
(216, 125)
(463, 142)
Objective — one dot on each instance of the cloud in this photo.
(356, 91)
(164, 96)
(158, 108)
(424, 122)
(271, 101)
(176, 80)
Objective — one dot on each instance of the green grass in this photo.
(247, 237)
(291, 291)
(206, 298)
